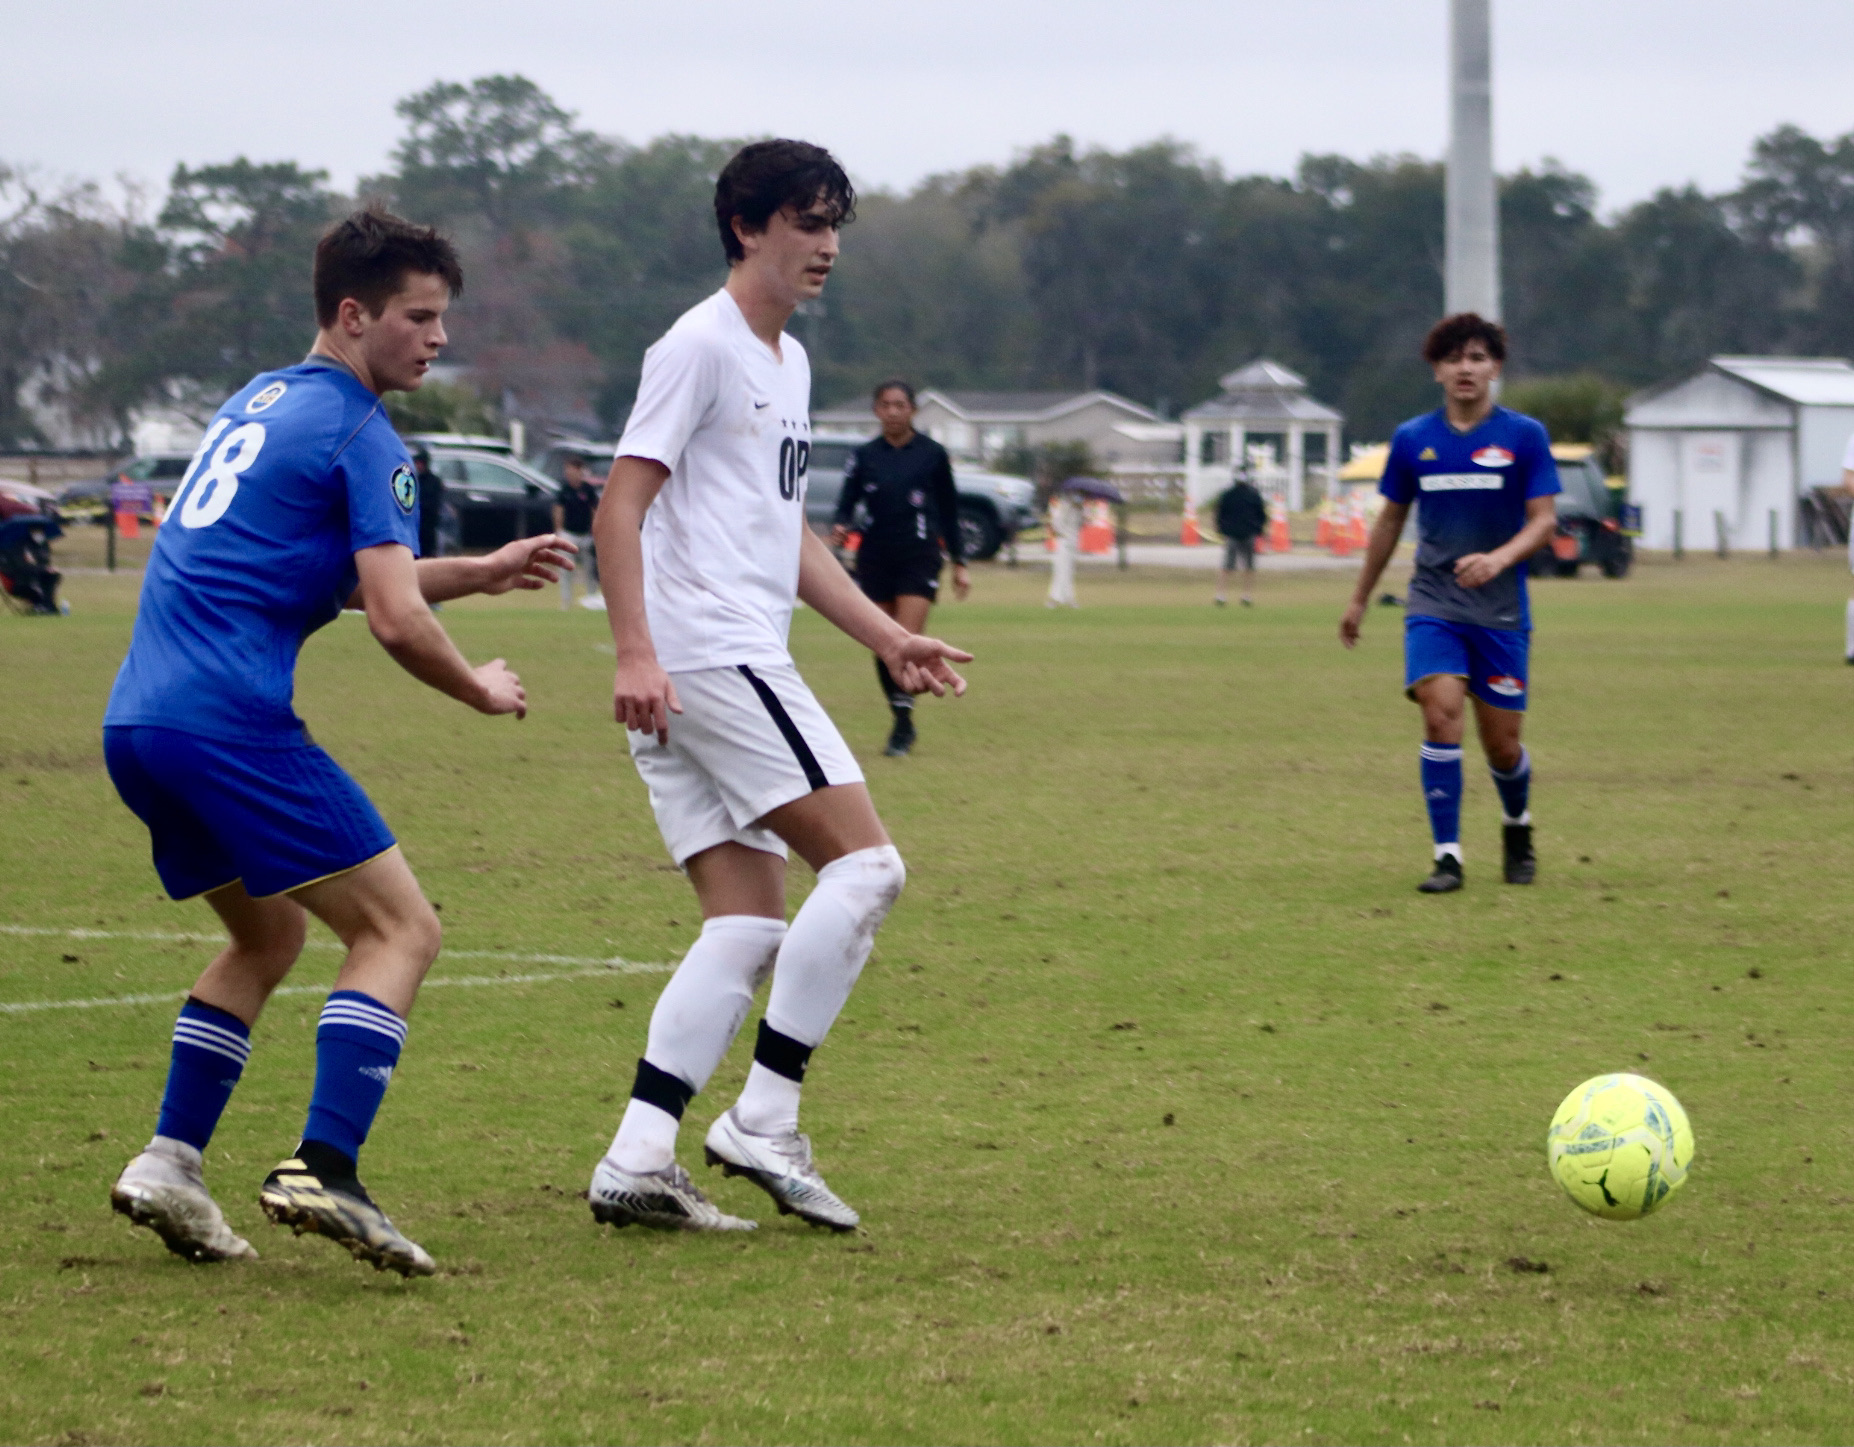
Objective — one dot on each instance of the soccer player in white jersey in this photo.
(703, 548)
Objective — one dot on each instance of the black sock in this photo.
(899, 702)
(331, 1167)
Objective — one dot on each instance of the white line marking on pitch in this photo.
(615, 965)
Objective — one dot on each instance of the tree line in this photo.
(1147, 271)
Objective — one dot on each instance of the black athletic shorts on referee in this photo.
(883, 579)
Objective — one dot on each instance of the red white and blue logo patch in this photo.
(1493, 457)
(1506, 685)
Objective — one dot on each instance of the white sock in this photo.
(768, 1103)
(1850, 652)
(824, 952)
(695, 1020)
(1454, 849)
(646, 1139)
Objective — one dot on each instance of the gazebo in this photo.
(1262, 405)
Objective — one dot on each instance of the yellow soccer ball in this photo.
(1620, 1145)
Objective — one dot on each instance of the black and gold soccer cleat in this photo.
(1522, 865)
(1446, 879)
(339, 1208)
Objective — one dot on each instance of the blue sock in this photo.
(1516, 789)
(357, 1045)
(210, 1049)
(1442, 793)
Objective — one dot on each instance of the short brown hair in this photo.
(767, 176)
(1451, 334)
(893, 384)
(367, 255)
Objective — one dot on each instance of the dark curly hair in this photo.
(1451, 334)
(366, 256)
(768, 176)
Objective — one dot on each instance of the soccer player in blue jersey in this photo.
(301, 500)
(1483, 480)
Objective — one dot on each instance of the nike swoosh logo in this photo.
(758, 406)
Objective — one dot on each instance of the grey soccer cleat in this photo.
(341, 1210)
(782, 1167)
(163, 1189)
(1521, 865)
(1446, 879)
(666, 1199)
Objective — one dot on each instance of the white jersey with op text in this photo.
(732, 422)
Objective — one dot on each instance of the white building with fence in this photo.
(1724, 459)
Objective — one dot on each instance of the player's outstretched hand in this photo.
(1350, 623)
(919, 665)
(643, 698)
(502, 690)
(528, 563)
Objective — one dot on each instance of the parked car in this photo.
(1596, 523)
(993, 507)
(455, 440)
(489, 498)
(597, 456)
(162, 471)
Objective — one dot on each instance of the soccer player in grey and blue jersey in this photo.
(1482, 478)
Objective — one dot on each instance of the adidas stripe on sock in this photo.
(357, 1045)
(1441, 775)
(1515, 788)
(211, 1047)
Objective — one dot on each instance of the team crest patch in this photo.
(405, 488)
(265, 398)
(1506, 685)
(1493, 457)
(1428, 454)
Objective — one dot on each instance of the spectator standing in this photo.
(1242, 517)
(577, 501)
(1847, 486)
(1065, 515)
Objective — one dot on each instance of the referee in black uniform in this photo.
(903, 482)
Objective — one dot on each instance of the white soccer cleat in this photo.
(164, 1190)
(666, 1199)
(782, 1167)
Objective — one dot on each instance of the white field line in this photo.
(592, 968)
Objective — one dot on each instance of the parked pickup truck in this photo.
(993, 507)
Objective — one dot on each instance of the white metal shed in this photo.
(1732, 449)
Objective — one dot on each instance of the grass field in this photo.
(1174, 1114)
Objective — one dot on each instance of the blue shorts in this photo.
(276, 817)
(1493, 660)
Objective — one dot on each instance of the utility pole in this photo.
(1472, 268)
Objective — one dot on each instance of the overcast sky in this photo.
(1635, 93)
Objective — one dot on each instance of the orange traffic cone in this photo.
(1278, 539)
(1188, 535)
(128, 525)
(1361, 535)
(1323, 529)
(1097, 534)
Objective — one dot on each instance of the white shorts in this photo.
(748, 739)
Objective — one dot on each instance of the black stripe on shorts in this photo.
(807, 760)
